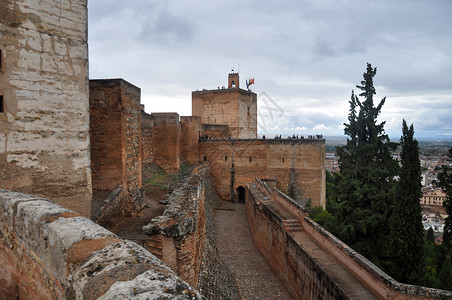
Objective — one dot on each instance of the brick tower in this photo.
(234, 107)
(233, 80)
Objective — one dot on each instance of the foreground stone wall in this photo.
(49, 252)
(44, 128)
(297, 165)
(313, 263)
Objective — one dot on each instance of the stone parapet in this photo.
(49, 252)
(297, 247)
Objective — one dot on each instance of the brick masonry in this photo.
(234, 107)
(297, 165)
(190, 133)
(313, 263)
(44, 128)
(165, 140)
(147, 130)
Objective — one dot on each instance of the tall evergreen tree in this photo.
(445, 182)
(366, 187)
(445, 275)
(407, 232)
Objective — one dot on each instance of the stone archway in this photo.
(241, 194)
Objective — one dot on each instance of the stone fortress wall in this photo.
(234, 107)
(116, 152)
(48, 147)
(44, 118)
(298, 166)
(312, 263)
(50, 252)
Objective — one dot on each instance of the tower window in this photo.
(225, 158)
(250, 158)
(2, 108)
(283, 160)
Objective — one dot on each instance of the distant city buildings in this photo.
(432, 196)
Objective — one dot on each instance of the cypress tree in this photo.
(445, 275)
(366, 187)
(407, 232)
(445, 182)
(430, 235)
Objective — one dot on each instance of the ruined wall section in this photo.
(297, 165)
(183, 221)
(233, 107)
(190, 133)
(44, 126)
(186, 235)
(166, 140)
(49, 252)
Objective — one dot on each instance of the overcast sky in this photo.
(306, 56)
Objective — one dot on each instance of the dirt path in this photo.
(254, 276)
(130, 227)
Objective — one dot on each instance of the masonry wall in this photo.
(297, 165)
(190, 133)
(49, 252)
(184, 236)
(165, 141)
(215, 131)
(44, 128)
(147, 130)
(234, 107)
(115, 148)
(302, 268)
(181, 227)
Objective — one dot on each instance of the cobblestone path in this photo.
(255, 278)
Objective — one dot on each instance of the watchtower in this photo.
(234, 107)
(233, 80)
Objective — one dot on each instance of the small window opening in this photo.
(283, 160)
(205, 158)
(248, 110)
(225, 158)
(2, 109)
(232, 84)
(250, 158)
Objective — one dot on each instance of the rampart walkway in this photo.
(336, 271)
(254, 276)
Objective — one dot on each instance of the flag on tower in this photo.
(249, 82)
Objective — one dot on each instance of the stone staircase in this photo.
(292, 225)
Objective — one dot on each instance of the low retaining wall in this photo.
(183, 236)
(279, 248)
(49, 252)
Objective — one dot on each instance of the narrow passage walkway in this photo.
(254, 277)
